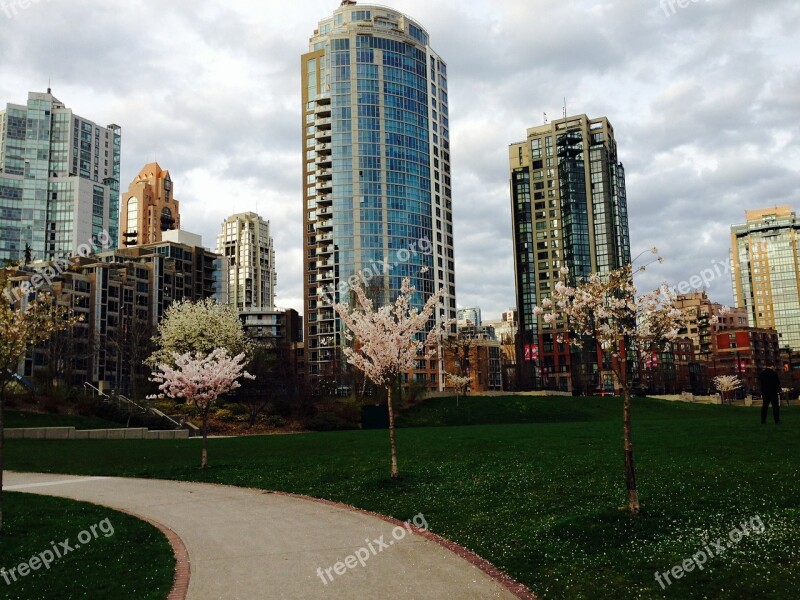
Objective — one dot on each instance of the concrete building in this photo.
(244, 241)
(700, 326)
(376, 172)
(766, 275)
(149, 208)
(569, 208)
(505, 332)
(482, 364)
(121, 296)
(59, 180)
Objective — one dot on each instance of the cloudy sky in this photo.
(704, 99)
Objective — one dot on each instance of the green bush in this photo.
(223, 414)
(328, 422)
(276, 421)
(236, 408)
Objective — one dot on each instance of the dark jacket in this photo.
(770, 383)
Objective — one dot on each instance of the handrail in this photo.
(99, 393)
(120, 399)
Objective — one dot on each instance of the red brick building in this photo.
(745, 352)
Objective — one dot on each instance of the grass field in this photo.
(30, 419)
(127, 558)
(532, 485)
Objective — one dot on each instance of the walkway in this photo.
(247, 544)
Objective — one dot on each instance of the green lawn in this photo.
(15, 418)
(538, 496)
(127, 558)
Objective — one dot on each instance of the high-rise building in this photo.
(245, 243)
(569, 209)
(376, 172)
(59, 180)
(766, 277)
(148, 207)
(469, 316)
(121, 296)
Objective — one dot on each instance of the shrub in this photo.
(224, 414)
(275, 421)
(328, 422)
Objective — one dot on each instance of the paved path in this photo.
(247, 544)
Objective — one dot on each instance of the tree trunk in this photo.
(204, 453)
(630, 470)
(392, 438)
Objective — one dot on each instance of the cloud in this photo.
(703, 102)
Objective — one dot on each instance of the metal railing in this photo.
(125, 403)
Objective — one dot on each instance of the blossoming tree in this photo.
(460, 382)
(628, 327)
(387, 341)
(20, 329)
(726, 384)
(201, 326)
(200, 379)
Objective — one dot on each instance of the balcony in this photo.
(324, 174)
(323, 135)
(324, 161)
(325, 250)
(324, 200)
(323, 110)
(323, 149)
(326, 276)
(323, 100)
(324, 225)
(324, 187)
(323, 123)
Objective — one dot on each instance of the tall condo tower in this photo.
(569, 208)
(59, 180)
(246, 247)
(766, 271)
(376, 172)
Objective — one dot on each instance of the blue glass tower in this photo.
(376, 171)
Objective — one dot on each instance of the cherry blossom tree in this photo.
(21, 328)
(200, 379)
(726, 384)
(460, 382)
(387, 341)
(624, 325)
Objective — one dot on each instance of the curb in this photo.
(180, 584)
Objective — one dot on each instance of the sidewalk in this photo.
(249, 544)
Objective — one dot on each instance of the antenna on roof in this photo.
(49, 89)
(565, 108)
(545, 118)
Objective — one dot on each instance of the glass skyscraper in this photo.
(376, 172)
(569, 208)
(59, 180)
(766, 275)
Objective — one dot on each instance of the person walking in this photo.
(770, 390)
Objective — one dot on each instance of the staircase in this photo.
(126, 404)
